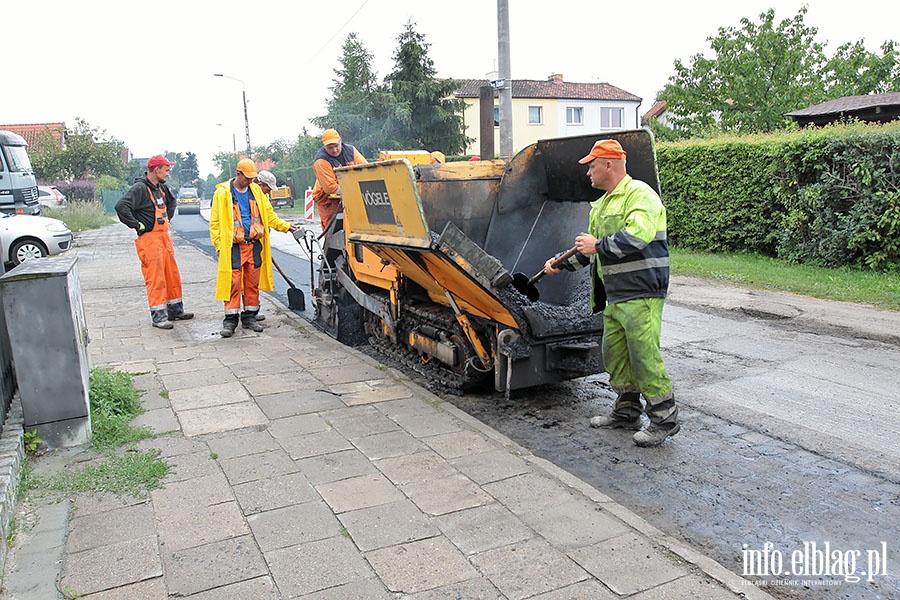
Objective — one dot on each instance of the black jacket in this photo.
(137, 207)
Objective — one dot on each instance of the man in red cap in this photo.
(239, 222)
(333, 154)
(626, 243)
(147, 208)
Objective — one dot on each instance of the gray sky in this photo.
(143, 71)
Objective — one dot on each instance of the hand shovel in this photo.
(296, 299)
(526, 286)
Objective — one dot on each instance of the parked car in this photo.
(50, 196)
(26, 237)
(188, 200)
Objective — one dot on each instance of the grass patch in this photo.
(881, 290)
(114, 403)
(80, 216)
(132, 474)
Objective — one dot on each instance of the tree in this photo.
(89, 153)
(429, 118)
(756, 74)
(855, 71)
(359, 107)
(188, 171)
(761, 71)
(301, 153)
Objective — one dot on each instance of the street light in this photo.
(246, 120)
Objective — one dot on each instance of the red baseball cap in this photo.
(158, 161)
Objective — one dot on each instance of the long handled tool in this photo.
(526, 286)
(296, 299)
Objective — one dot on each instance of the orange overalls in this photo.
(161, 276)
(246, 260)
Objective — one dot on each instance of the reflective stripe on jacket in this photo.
(630, 226)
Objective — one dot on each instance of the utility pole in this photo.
(246, 120)
(505, 87)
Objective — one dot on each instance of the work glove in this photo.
(141, 227)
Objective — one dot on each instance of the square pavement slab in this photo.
(387, 525)
(613, 562)
(274, 492)
(528, 568)
(421, 565)
(306, 568)
(218, 419)
(89, 571)
(213, 565)
(293, 525)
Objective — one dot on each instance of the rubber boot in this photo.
(248, 321)
(228, 326)
(663, 421)
(626, 413)
(159, 319)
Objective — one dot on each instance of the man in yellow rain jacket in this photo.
(239, 225)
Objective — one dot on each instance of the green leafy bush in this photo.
(828, 196)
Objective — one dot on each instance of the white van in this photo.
(18, 188)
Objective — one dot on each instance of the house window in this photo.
(535, 115)
(574, 115)
(610, 118)
(496, 116)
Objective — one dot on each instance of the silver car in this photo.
(26, 237)
(50, 196)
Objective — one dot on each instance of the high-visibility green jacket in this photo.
(630, 226)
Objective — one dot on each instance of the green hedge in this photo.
(828, 196)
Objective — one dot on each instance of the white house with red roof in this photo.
(552, 108)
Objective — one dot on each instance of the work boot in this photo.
(228, 326)
(626, 413)
(176, 312)
(654, 435)
(613, 421)
(663, 421)
(260, 317)
(251, 324)
(249, 319)
(158, 318)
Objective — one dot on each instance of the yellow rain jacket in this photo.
(221, 232)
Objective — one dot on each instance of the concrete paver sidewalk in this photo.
(303, 468)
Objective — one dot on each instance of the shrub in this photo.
(828, 196)
(79, 190)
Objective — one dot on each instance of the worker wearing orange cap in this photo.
(333, 154)
(239, 223)
(627, 246)
(147, 208)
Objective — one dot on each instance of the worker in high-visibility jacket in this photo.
(627, 247)
(334, 153)
(147, 208)
(239, 223)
